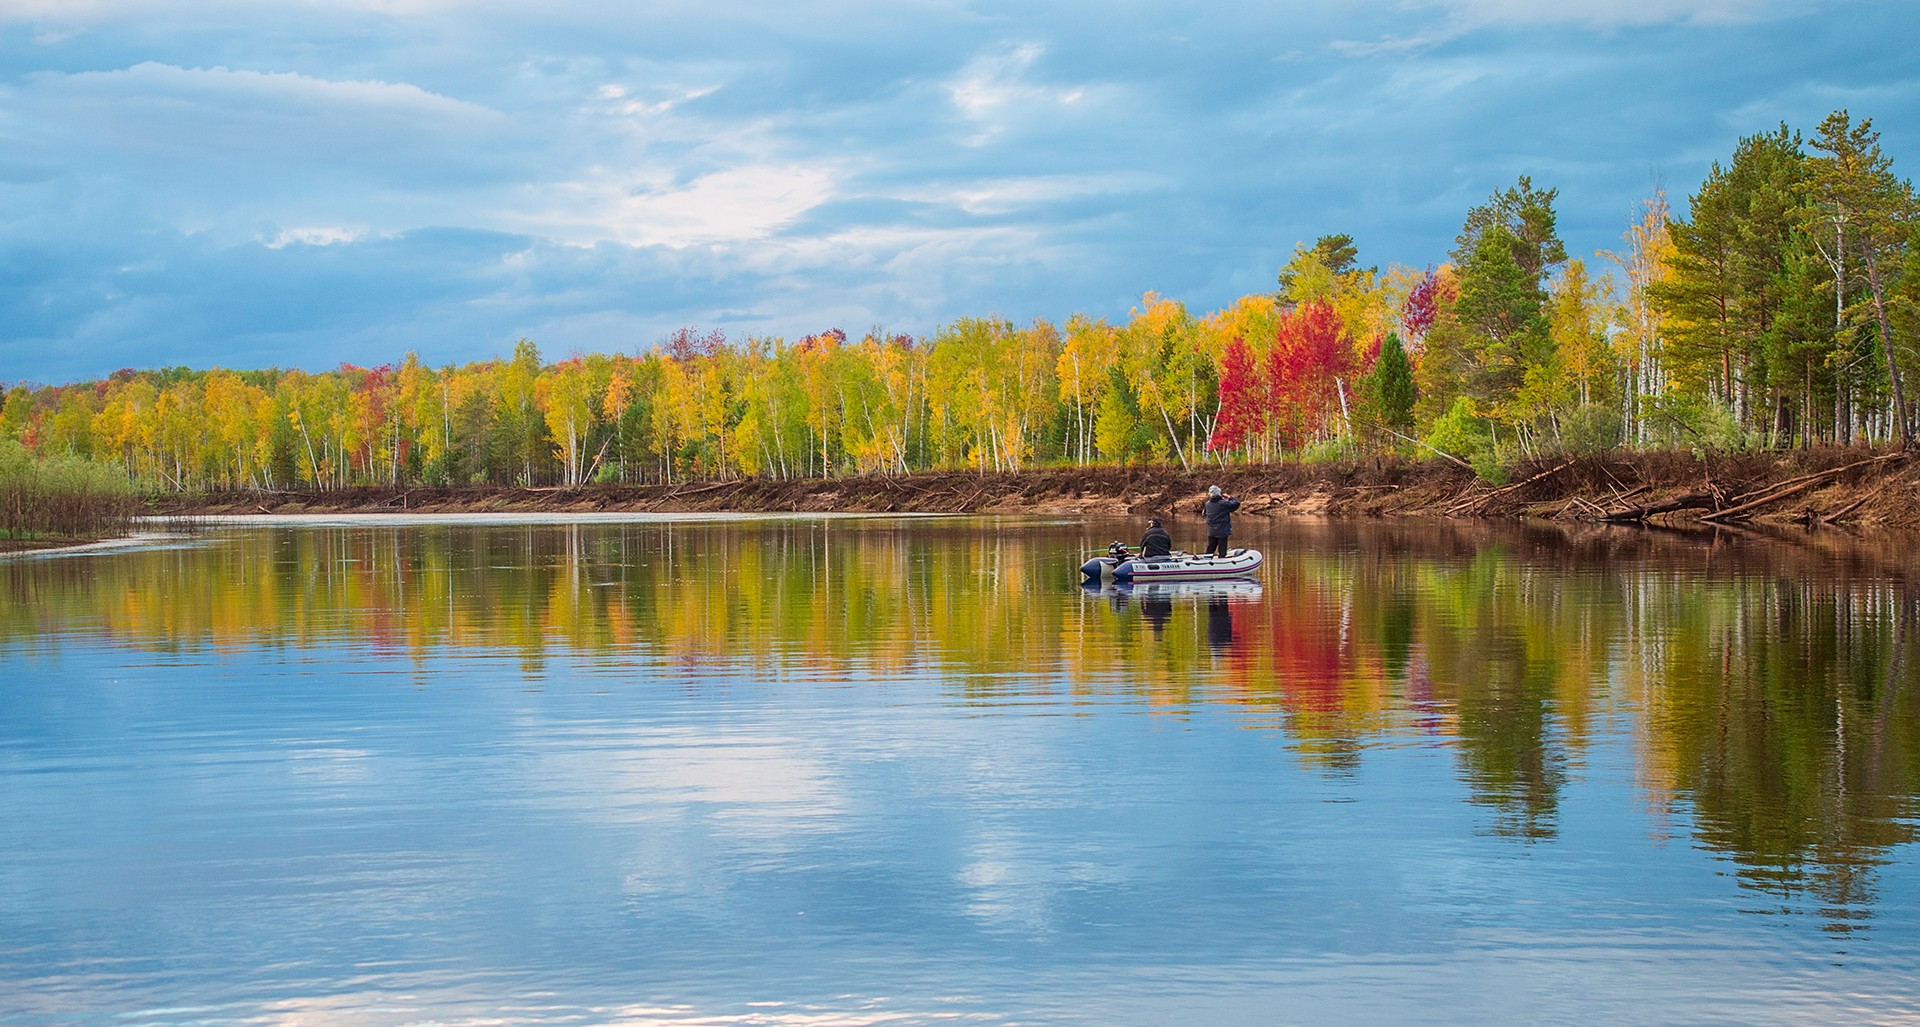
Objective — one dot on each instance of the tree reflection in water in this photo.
(1767, 687)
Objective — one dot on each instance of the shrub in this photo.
(63, 495)
(1461, 431)
(1329, 450)
(1696, 425)
(1591, 429)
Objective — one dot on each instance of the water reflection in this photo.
(1156, 602)
(1767, 691)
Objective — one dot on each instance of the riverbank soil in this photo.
(1868, 488)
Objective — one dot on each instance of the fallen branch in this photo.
(1847, 511)
(1422, 445)
(1735, 511)
(1793, 487)
(677, 493)
(1778, 488)
(1690, 501)
(1480, 499)
(1523, 484)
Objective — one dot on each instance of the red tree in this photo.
(1243, 399)
(1311, 352)
(1421, 308)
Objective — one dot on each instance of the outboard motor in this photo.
(1101, 567)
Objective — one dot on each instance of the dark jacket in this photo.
(1219, 514)
(1156, 542)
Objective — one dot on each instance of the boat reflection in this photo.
(1243, 590)
(1156, 601)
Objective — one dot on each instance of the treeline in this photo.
(1781, 310)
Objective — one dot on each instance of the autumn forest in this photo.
(1779, 308)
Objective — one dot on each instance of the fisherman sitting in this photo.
(1156, 542)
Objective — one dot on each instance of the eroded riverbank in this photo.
(1856, 487)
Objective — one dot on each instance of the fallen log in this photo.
(1689, 501)
(1735, 511)
(1523, 484)
(1794, 487)
(1787, 488)
(679, 492)
(1481, 499)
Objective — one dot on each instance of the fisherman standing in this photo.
(1219, 514)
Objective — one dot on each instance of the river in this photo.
(899, 770)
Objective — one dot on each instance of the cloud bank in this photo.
(304, 184)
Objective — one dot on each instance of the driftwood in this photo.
(1715, 500)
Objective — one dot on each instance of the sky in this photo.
(260, 183)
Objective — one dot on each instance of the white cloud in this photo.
(996, 196)
(650, 209)
(151, 82)
(992, 89)
(618, 100)
(316, 235)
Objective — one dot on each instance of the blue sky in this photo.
(251, 183)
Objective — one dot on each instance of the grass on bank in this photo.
(61, 498)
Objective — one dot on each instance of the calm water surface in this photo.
(899, 771)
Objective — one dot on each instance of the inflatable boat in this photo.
(1120, 565)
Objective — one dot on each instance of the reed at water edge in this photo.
(61, 498)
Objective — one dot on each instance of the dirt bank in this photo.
(1878, 489)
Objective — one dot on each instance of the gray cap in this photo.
(1214, 491)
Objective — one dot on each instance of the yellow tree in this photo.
(233, 414)
(1158, 357)
(118, 426)
(617, 400)
(899, 374)
(314, 405)
(676, 415)
(469, 394)
(814, 357)
(968, 373)
(181, 432)
(69, 427)
(517, 385)
(425, 420)
(1088, 351)
(1578, 317)
(1638, 344)
(571, 395)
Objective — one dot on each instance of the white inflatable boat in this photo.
(1119, 565)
